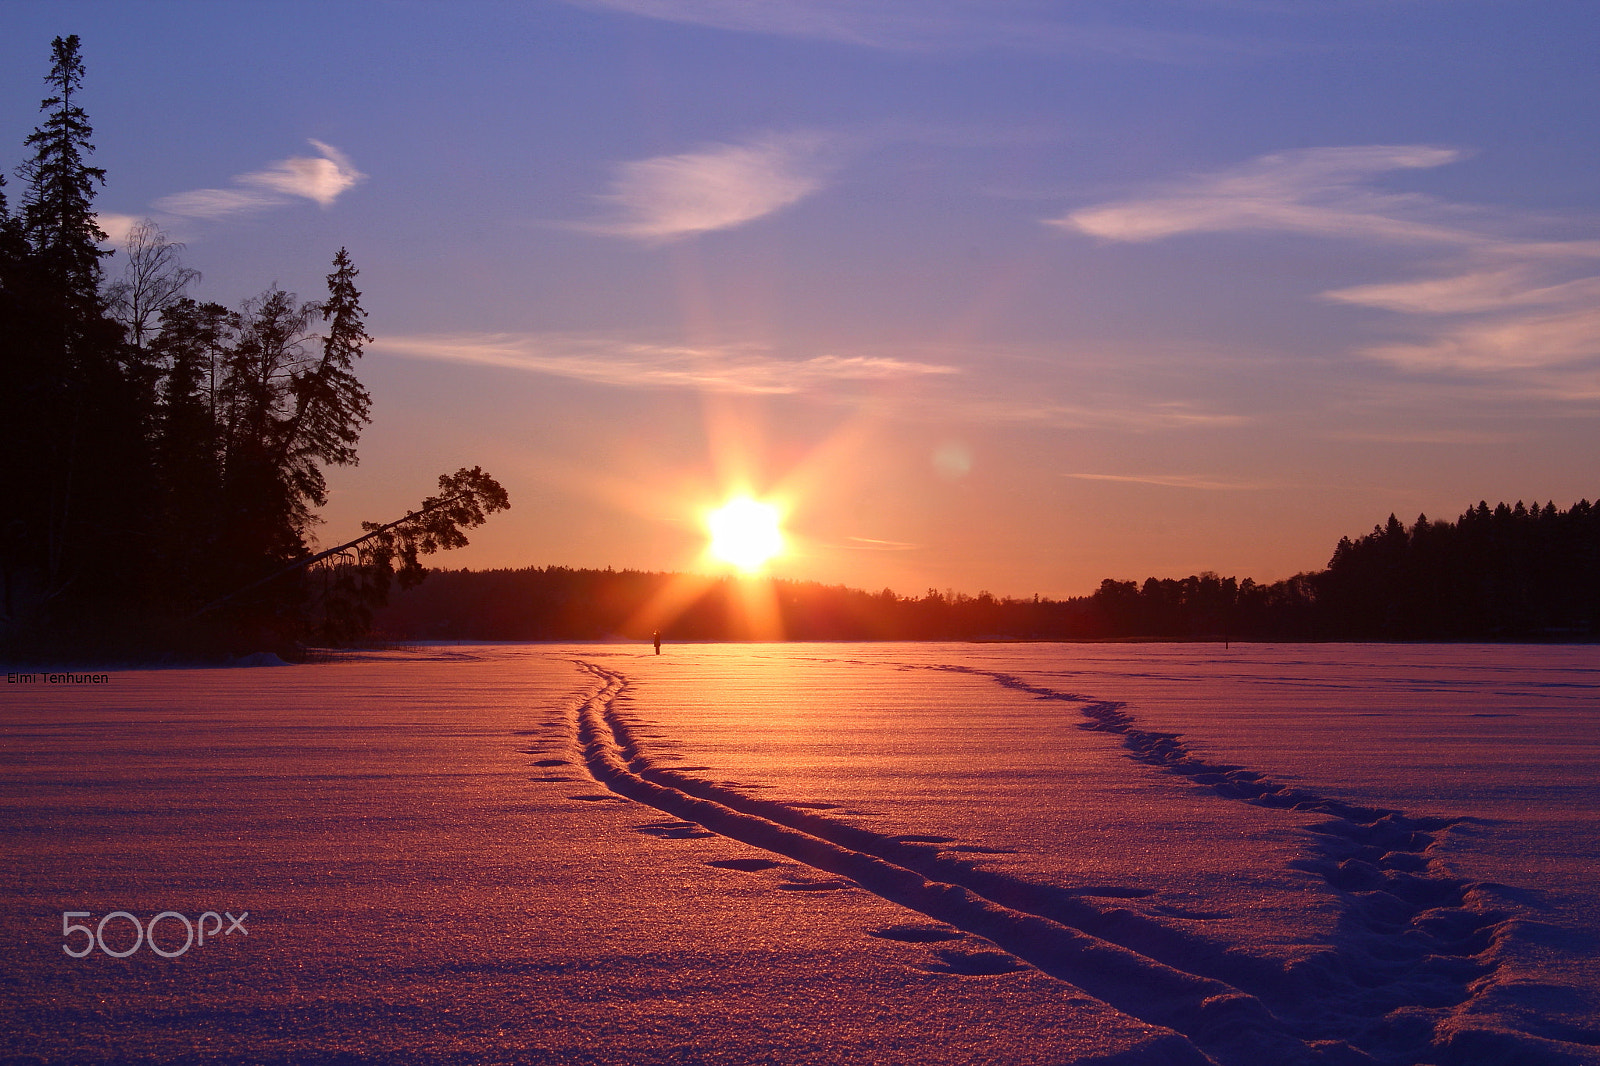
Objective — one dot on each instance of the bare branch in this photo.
(152, 281)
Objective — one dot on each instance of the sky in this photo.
(990, 295)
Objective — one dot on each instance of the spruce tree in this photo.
(74, 459)
(190, 343)
(58, 215)
(162, 460)
(21, 515)
(265, 512)
(330, 404)
(285, 416)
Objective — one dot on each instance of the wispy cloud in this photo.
(869, 544)
(1445, 437)
(1321, 191)
(116, 227)
(1177, 481)
(1491, 300)
(321, 179)
(1516, 286)
(1501, 342)
(936, 25)
(213, 204)
(1110, 411)
(611, 361)
(940, 386)
(717, 187)
(1524, 311)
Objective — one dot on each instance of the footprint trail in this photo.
(1230, 1027)
(1413, 943)
(1411, 947)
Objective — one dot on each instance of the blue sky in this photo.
(992, 295)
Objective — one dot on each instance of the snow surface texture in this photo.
(850, 853)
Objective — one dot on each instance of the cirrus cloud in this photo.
(321, 179)
(115, 226)
(1490, 300)
(950, 390)
(717, 187)
(608, 360)
(1320, 191)
(940, 25)
(1200, 482)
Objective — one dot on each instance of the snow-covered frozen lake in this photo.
(829, 853)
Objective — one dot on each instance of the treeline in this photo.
(1507, 573)
(163, 459)
(557, 603)
(1502, 573)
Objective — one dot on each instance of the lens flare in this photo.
(744, 533)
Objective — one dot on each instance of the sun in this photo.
(744, 533)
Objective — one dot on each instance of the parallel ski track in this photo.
(1412, 939)
(1232, 1028)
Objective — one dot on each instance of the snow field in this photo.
(432, 876)
(1418, 963)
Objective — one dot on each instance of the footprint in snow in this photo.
(917, 934)
(975, 963)
(746, 865)
(673, 830)
(816, 886)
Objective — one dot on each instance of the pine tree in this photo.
(191, 344)
(20, 572)
(160, 454)
(265, 513)
(330, 405)
(284, 417)
(58, 215)
(74, 461)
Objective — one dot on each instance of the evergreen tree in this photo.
(191, 344)
(58, 214)
(265, 514)
(284, 415)
(74, 463)
(160, 454)
(20, 516)
(330, 406)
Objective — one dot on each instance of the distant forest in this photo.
(1494, 574)
(162, 460)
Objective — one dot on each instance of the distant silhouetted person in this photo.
(658, 642)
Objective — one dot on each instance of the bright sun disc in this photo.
(745, 533)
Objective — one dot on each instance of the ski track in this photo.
(1412, 946)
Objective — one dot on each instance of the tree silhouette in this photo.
(74, 462)
(58, 215)
(160, 453)
(153, 279)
